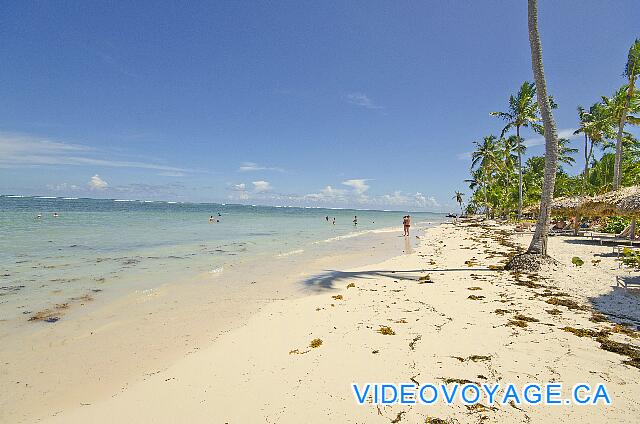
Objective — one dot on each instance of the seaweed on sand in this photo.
(412, 344)
(478, 407)
(473, 358)
(474, 288)
(474, 297)
(501, 311)
(585, 332)
(598, 317)
(436, 420)
(553, 311)
(337, 297)
(315, 343)
(521, 317)
(387, 331)
(565, 302)
(350, 285)
(622, 349)
(50, 314)
(458, 381)
(622, 329)
(478, 358)
(517, 323)
(398, 417)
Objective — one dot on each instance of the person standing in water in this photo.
(406, 223)
(355, 221)
(334, 220)
(327, 218)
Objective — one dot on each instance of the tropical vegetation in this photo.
(504, 179)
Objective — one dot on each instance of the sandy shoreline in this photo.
(115, 341)
(511, 329)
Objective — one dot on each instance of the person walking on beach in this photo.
(406, 223)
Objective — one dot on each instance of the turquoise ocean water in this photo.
(94, 244)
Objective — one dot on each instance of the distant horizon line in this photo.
(20, 196)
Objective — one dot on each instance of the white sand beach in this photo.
(513, 331)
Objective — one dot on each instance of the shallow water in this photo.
(96, 245)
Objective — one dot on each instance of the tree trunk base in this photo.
(529, 262)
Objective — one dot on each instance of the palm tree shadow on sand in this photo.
(327, 279)
(621, 305)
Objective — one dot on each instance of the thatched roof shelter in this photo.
(561, 205)
(625, 201)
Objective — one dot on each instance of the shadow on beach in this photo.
(326, 279)
(621, 304)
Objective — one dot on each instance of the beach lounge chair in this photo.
(608, 237)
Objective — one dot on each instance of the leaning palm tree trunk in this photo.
(617, 167)
(539, 242)
(519, 175)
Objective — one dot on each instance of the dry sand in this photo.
(266, 371)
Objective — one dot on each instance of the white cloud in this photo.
(464, 156)
(172, 174)
(539, 140)
(362, 100)
(327, 194)
(360, 186)
(23, 150)
(252, 167)
(97, 183)
(239, 191)
(261, 186)
(63, 187)
(425, 201)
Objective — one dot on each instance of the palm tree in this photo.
(485, 159)
(565, 152)
(539, 241)
(458, 199)
(522, 112)
(512, 148)
(631, 72)
(596, 126)
(618, 109)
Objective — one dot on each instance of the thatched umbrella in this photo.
(561, 205)
(566, 205)
(625, 202)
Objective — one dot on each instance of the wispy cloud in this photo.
(261, 186)
(360, 186)
(362, 100)
(23, 150)
(252, 167)
(464, 156)
(539, 140)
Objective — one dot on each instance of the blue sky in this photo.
(360, 103)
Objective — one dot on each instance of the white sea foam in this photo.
(293, 252)
(46, 197)
(123, 200)
(217, 270)
(69, 198)
(16, 196)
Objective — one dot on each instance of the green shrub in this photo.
(615, 224)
